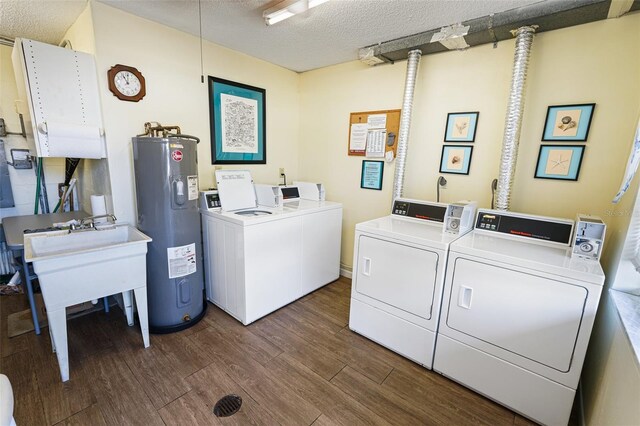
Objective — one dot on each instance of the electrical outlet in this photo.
(281, 171)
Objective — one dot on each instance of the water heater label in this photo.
(192, 186)
(182, 260)
(176, 155)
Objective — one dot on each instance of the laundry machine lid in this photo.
(236, 191)
(253, 213)
(409, 230)
(310, 206)
(529, 254)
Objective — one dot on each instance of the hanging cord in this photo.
(44, 200)
(201, 58)
(37, 170)
(41, 190)
(441, 182)
(494, 187)
(70, 167)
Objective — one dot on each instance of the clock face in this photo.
(127, 83)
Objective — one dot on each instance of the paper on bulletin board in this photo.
(377, 121)
(376, 143)
(358, 139)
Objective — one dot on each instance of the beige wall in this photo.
(588, 63)
(170, 61)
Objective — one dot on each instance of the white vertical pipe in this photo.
(513, 121)
(405, 121)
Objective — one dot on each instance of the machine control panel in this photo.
(209, 200)
(419, 210)
(589, 238)
(459, 216)
(534, 227)
(290, 192)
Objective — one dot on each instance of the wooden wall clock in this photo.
(126, 83)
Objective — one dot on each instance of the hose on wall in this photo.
(413, 61)
(513, 121)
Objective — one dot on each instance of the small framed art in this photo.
(461, 127)
(238, 122)
(456, 159)
(569, 123)
(371, 177)
(559, 162)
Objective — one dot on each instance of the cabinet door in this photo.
(396, 274)
(528, 315)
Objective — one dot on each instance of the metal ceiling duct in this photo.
(513, 121)
(413, 61)
(547, 15)
(6, 41)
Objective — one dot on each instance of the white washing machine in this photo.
(321, 229)
(517, 313)
(399, 269)
(258, 259)
(321, 241)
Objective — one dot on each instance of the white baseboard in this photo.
(346, 272)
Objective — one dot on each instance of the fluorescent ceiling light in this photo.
(278, 16)
(314, 3)
(288, 8)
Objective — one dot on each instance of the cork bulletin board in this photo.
(369, 129)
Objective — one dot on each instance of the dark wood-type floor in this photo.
(300, 365)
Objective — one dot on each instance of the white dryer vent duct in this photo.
(513, 121)
(405, 121)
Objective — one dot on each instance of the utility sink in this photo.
(54, 244)
(86, 265)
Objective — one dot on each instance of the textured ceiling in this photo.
(42, 20)
(328, 34)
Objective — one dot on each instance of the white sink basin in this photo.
(62, 243)
(88, 265)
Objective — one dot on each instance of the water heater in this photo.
(167, 199)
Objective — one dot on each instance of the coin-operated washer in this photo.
(258, 258)
(518, 310)
(398, 274)
(321, 232)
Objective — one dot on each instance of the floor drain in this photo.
(227, 406)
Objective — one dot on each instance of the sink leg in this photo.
(58, 328)
(141, 304)
(53, 344)
(32, 302)
(128, 306)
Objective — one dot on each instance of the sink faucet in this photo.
(88, 223)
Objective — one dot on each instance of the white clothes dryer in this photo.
(398, 274)
(517, 313)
